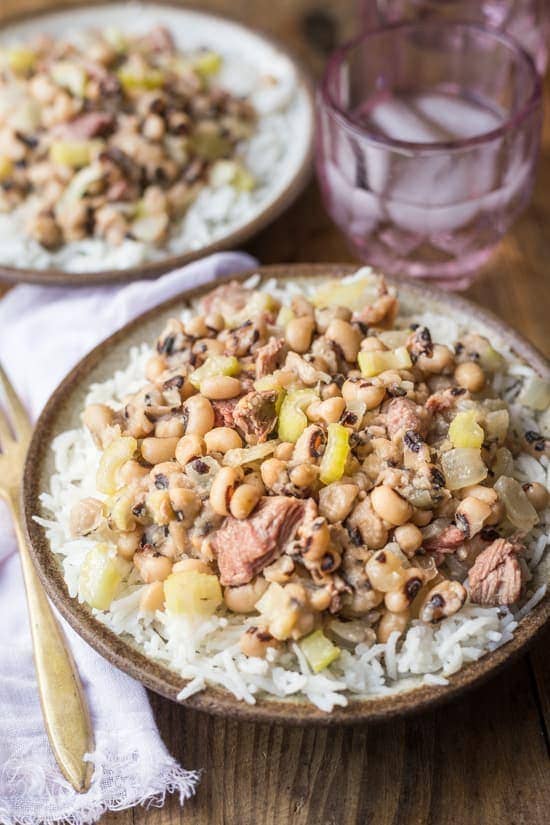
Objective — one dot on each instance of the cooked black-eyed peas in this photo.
(314, 463)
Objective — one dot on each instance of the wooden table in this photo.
(482, 760)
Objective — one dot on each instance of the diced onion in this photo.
(462, 467)
(535, 393)
(249, 455)
(519, 509)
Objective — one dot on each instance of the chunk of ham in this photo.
(269, 357)
(496, 577)
(89, 125)
(245, 546)
(255, 415)
(402, 415)
(224, 412)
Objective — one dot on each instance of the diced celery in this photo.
(73, 153)
(373, 363)
(336, 454)
(213, 366)
(319, 651)
(292, 418)
(69, 76)
(279, 611)
(463, 467)
(207, 63)
(352, 294)
(132, 80)
(192, 593)
(100, 576)
(465, 431)
(114, 456)
(6, 167)
(21, 59)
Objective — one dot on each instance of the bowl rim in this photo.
(531, 103)
(54, 276)
(159, 678)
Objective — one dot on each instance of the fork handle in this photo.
(64, 707)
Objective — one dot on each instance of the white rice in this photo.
(273, 150)
(206, 651)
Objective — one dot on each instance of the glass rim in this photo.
(340, 54)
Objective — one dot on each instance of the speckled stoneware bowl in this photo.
(188, 25)
(63, 412)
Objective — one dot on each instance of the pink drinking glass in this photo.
(528, 21)
(427, 140)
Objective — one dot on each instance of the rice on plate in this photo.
(424, 416)
(156, 135)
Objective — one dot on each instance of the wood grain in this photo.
(482, 760)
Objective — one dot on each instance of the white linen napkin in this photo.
(43, 333)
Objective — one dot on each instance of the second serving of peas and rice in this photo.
(309, 489)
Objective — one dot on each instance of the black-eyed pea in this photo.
(155, 367)
(132, 472)
(422, 517)
(325, 315)
(304, 625)
(331, 390)
(299, 332)
(151, 566)
(391, 623)
(160, 473)
(243, 599)
(409, 538)
(220, 387)
(152, 597)
(160, 507)
(400, 599)
(320, 598)
(196, 327)
(272, 470)
(200, 415)
(169, 428)
(445, 599)
(359, 389)
(214, 321)
(385, 571)
(470, 376)
(185, 503)
(195, 565)
(346, 336)
(279, 571)
(302, 307)
(471, 514)
(179, 537)
(244, 500)
(372, 344)
(390, 506)
(98, 418)
(255, 642)
(255, 479)
(189, 447)
(128, 543)
(440, 361)
(157, 450)
(330, 410)
(317, 540)
(223, 488)
(209, 346)
(222, 439)
(537, 494)
(303, 475)
(284, 450)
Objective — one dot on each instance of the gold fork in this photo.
(64, 707)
